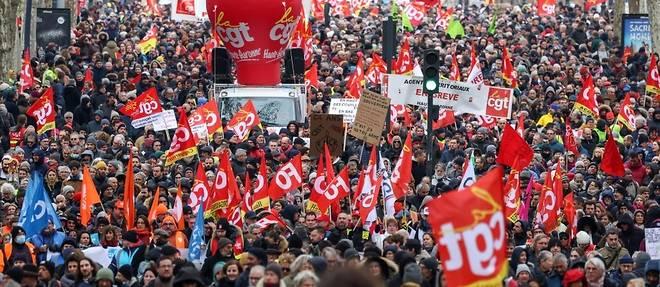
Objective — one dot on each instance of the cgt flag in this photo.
(43, 111)
(38, 210)
(144, 109)
(183, 144)
(244, 120)
(471, 232)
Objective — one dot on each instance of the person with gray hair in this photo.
(594, 271)
(256, 273)
(544, 268)
(305, 278)
(559, 267)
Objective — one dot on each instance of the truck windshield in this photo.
(274, 112)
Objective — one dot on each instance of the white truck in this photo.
(276, 106)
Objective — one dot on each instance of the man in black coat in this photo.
(631, 236)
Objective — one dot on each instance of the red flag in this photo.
(260, 199)
(611, 162)
(136, 80)
(470, 229)
(336, 190)
(455, 71)
(244, 120)
(246, 203)
(486, 121)
(402, 173)
(318, 188)
(569, 140)
(370, 199)
(404, 62)
(89, 197)
(653, 77)
(586, 101)
(512, 195)
(268, 220)
(591, 3)
(508, 71)
(445, 118)
(475, 76)
(512, 146)
(329, 169)
(376, 70)
(520, 127)
(355, 81)
(627, 113)
(89, 80)
(546, 7)
(200, 190)
(211, 117)
(27, 75)
(287, 178)
(224, 185)
(550, 201)
(312, 77)
(197, 126)
(146, 104)
(416, 11)
(129, 194)
(627, 52)
(43, 111)
(569, 213)
(182, 144)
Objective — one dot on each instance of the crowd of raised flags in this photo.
(373, 212)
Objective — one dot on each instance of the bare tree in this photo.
(654, 18)
(9, 51)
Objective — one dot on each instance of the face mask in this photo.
(20, 239)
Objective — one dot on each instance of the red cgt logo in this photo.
(498, 103)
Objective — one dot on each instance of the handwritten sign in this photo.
(344, 107)
(652, 237)
(370, 118)
(329, 129)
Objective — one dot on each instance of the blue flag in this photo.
(197, 237)
(37, 208)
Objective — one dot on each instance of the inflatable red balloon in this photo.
(255, 33)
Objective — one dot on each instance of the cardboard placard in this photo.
(370, 117)
(326, 128)
(652, 237)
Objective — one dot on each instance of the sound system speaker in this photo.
(294, 66)
(221, 65)
(389, 39)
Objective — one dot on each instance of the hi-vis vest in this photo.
(6, 251)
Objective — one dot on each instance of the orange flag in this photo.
(89, 197)
(154, 206)
(129, 194)
(178, 209)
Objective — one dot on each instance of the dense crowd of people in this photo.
(314, 249)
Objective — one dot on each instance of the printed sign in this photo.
(459, 96)
(636, 31)
(370, 117)
(344, 107)
(166, 121)
(329, 129)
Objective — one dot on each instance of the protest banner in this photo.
(461, 97)
(370, 117)
(326, 128)
(652, 237)
(345, 107)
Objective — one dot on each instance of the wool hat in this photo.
(125, 270)
(522, 268)
(275, 268)
(572, 276)
(583, 238)
(105, 274)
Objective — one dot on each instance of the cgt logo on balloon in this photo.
(255, 38)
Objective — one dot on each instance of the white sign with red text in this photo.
(459, 96)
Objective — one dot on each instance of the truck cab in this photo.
(276, 106)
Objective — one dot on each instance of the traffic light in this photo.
(431, 71)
